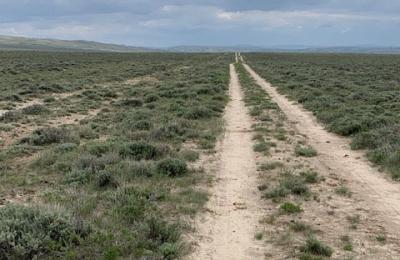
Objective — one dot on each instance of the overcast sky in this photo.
(159, 23)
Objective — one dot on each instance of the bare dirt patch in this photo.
(228, 228)
(138, 80)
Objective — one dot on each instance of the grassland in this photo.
(310, 213)
(353, 95)
(288, 183)
(100, 163)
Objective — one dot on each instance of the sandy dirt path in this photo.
(227, 229)
(381, 194)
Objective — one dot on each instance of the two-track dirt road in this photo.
(373, 187)
(227, 229)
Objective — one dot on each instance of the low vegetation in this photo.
(121, 174)
(28, 232)
(315, 247)
(306, 151)
(354, 95)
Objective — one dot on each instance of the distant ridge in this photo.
(289, 49)
(33, 44)
(23, 43)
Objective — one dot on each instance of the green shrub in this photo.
(172, 167)
(160, 238)
(6, 128)
(381, 238)
(130, 204)
(300, 227)
(170, 130)
(30, 233)
(87, 132)
(198, 112)
(94, 164)
(310, 257)
(295, 184)
(142, 151)
(65, 147)
(51, 135)
(77, 177)
(132, 169)
(99, 148)
(142, 125)
(49, 99)
(306, 151)
(11, 116)
(290, 184)
(270, 166)
(315, 247)
(346, 125)
(106, 179)
(259, 236)
(277, 192)
(151, 98)
(131, 102)
(261, 147)
(35, 109)
(343, 191)
(290, 208)
(310, 176)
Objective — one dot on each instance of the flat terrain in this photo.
(352, 95)
(98, 150)
(227, 231)
(199, 156)
(361, 193)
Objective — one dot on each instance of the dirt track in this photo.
(374, 188)
(228, 228)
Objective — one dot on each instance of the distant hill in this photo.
(193, 48)
(22, 43)
(355, 49)
(289, 49)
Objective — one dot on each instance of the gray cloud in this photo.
(162, 22)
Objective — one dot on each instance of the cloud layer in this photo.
(207, 22)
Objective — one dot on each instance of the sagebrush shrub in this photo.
(28, 233)
(198, 112)
(106, 179)
(142, 151)
(295, 184)
(131, 102)
(51, 135)
(172, 167)
(315, 247)
(130, 204)
(290, 208)
(151, 98)
(305, 151)
(11, 116)
(160, 237)
(35, 109)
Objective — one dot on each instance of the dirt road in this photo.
(374, 188)
(228, 228)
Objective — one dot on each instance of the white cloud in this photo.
(298, 18)
(162, 22)
(227, 15)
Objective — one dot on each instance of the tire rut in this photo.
(379, 193)
(227, 229)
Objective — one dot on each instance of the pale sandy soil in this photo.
(227, 229)
(236, 212)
